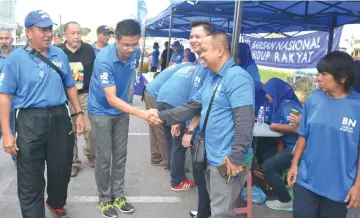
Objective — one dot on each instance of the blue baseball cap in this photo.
(176, 44)
(38, 18)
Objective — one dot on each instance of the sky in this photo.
(86, 12)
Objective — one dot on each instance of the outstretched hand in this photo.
(154, 117)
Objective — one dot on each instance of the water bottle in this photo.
(261, 116)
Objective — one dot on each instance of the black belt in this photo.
(52, 108)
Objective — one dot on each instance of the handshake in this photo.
(152, 117)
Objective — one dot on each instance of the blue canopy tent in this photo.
(257, 16)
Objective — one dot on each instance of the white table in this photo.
(264, 131)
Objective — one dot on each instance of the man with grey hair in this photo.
(6, 47)
(81, 57)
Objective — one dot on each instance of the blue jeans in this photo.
(176, 152)
(272, 169)
(178, 155)
(167, 131)
(12, 124)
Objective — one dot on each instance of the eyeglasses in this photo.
(127, 46)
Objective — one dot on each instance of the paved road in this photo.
(147, 187)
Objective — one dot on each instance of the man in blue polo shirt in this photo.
(157, 141)
(176, 91)
(103, 36)
(229, 128)
(109, 115)
(178, 54)
(6, 47)
(44, 129)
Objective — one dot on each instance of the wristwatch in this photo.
(77, 113)
(189, 131)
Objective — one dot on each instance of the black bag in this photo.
(198, 148)
(48, 62)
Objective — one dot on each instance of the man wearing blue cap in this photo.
(177, 55)
(103, 36)
(36, 81)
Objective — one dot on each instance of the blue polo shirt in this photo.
(2, 61)
(33, 83)
(154, 86)
(96, 49)
(155, 58)
(200, 75)
(176, 90)
(235, 90)
(109, 71)
(177, 57)
(331, 128)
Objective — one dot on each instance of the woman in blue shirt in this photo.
(266, 144)
(326, 158)
(283, 100)
(155, 57)
(245, 60)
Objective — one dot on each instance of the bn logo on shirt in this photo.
(348, 125)
(197, 81)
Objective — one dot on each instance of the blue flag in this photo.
(141, 12)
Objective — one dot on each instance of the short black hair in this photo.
(341, 66)
(127, 27)
(156, 45)
(221, 35)
(68, 23)
(207, 25)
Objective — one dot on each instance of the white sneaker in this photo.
(278, 205)
(193, 214)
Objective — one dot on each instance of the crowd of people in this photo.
(202, 99)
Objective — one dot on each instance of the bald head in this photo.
(215, 50)
(6, 41)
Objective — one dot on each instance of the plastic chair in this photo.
(248, 207)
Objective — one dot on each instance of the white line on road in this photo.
(139, 133)
(94, 199)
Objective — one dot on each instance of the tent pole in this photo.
(331, 34)
(170, 30)
(143, 52)
(236, 27)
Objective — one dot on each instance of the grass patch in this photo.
(266, 74)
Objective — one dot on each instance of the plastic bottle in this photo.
(261, 116)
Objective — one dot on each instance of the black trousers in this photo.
(43, 135)
(204, 210)
(307, 204)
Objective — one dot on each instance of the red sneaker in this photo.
(184, 185)
(58, 213)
